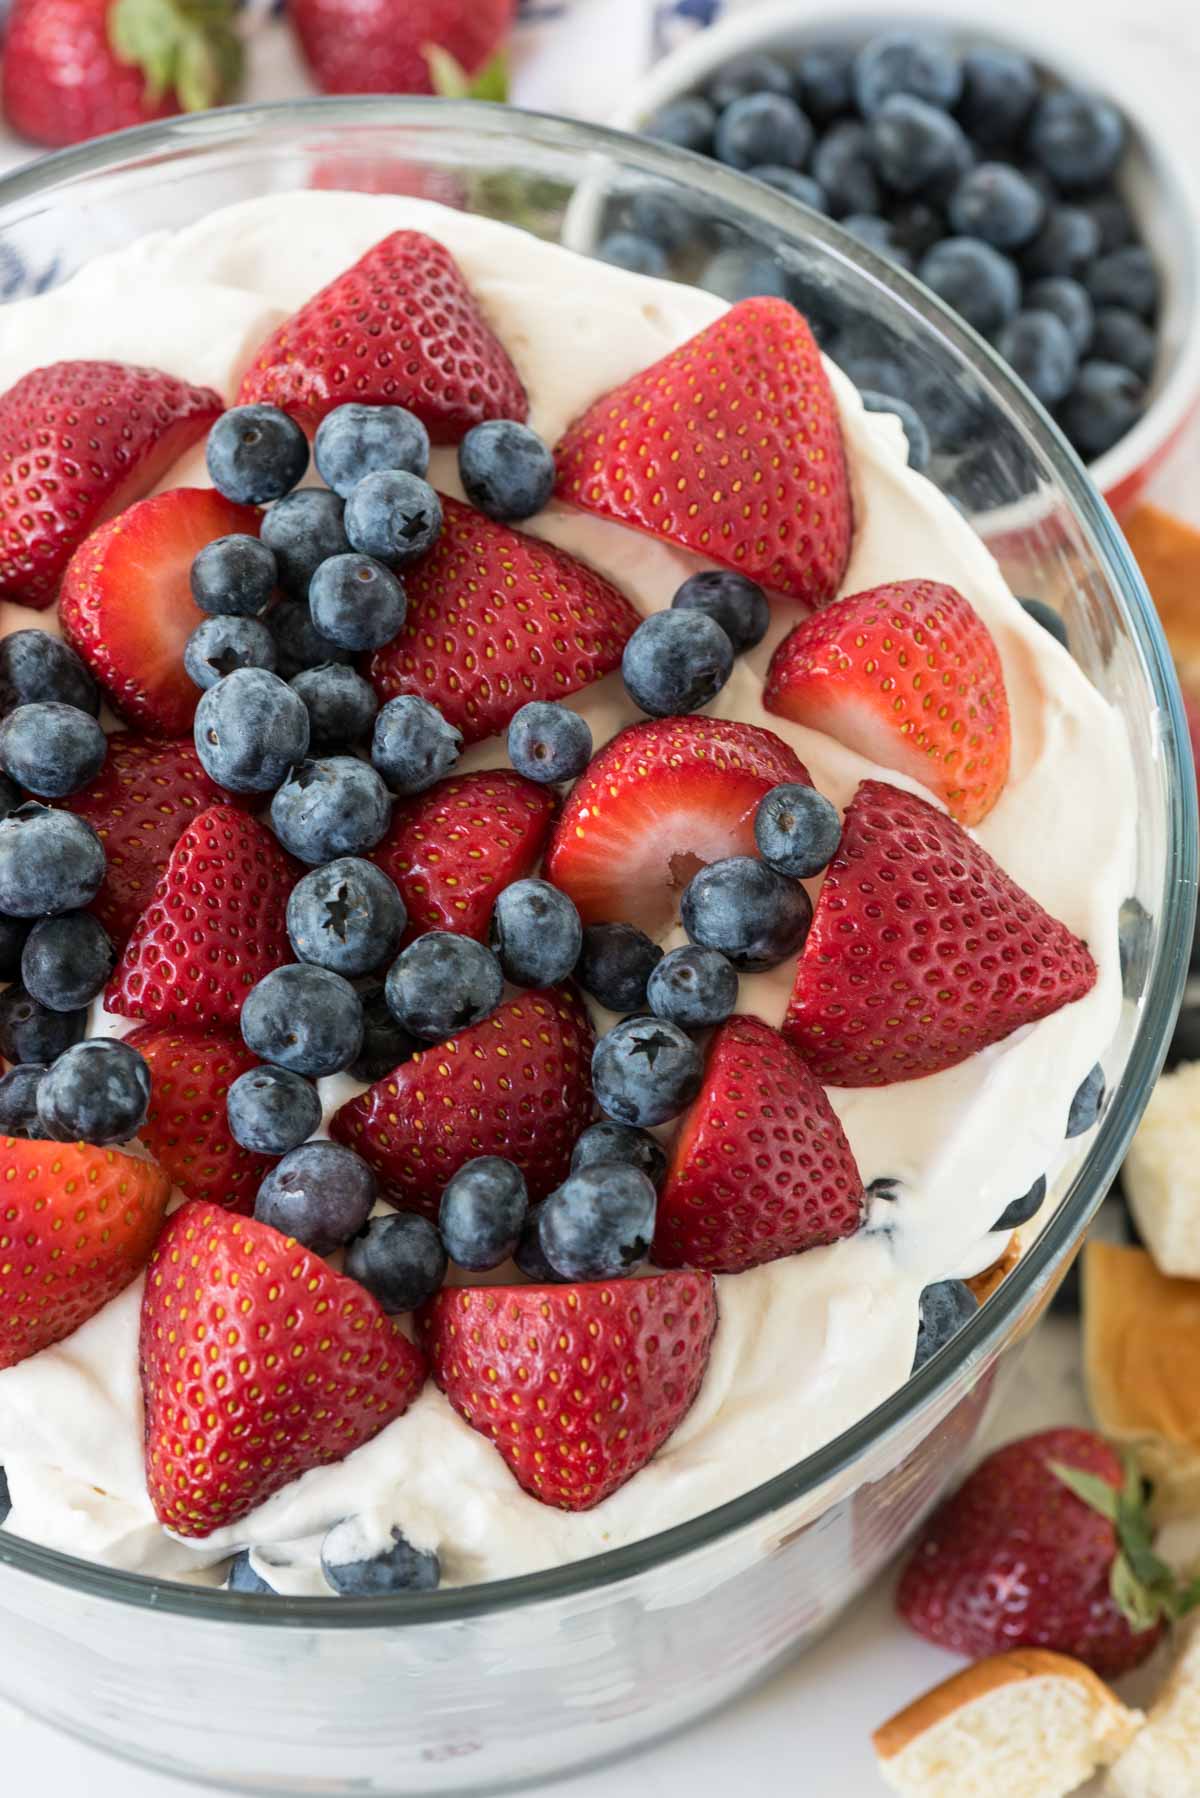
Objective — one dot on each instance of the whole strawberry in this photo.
(1046, 1545)
(75, 69)
(78, 1227)
(301, 1366)
(423, 47)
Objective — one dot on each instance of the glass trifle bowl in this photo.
(499, 1684)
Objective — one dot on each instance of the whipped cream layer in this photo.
(805, 1346)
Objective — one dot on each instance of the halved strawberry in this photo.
(659, 802)
(453, 850)
(730, 445)
(578, 1387)
(922, 949)
(400, 327)
(495, 619)
(761, 1167)
(79, 441)
(258, 1362)
(186, 1129)
(77, 1225)
(214, 927)
(140, 803)
(127, 607)
(518, 1084)
(908, 675)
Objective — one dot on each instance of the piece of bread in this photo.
(984, 1284)
(1168, 553)
(1163, 1760)
(1141, 1352)
(1030, 1724)
(1161, 1175)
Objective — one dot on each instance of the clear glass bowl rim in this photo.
(230, 125)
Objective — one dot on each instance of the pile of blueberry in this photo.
(995, 187)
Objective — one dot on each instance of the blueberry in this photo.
(67, 960)
(792, 183)
(50, 862)
(536, 933)
(757, 72)
(945, 1308)
(320, 1193)
(219, 645)
(51, 749)
(347, 916)
(736, 603)
(35, 666)
(256, 454)
(97, 1091)
(305, 1019)
(442, 983)
(914, 143)
(271, 1110)
(919, 448)
(907, 62)
(1068, 301)
(998, 92)
(528, 1254)
(548, 742)
(763, 127)
(354, 1571)
(1077, 137)
(356, 602)
(1125, 277)
(1104, 404)
(13, 932)
(1087, 1103)
(341, 705)
(331, 806)
(1039, 349)
(995, 202)
(797, 830)
(506, 470)
(234, 576)
(250, 729)
(740, 906)
(744, 275)
(688, 123)
(1113, 220)
(385, 1045)
(873, 373)
(1135, 928)
(413, 747)
(5, 1497)
(353, 441)
(658, 213)
(615, 964)
(394, 516)
(30, 1032)
(1048, 618)
(400, 1260)
(646, 1071)
(843, 164)
(676, 662)
(299, 645)
(1022, 1209)
(242, 1577)
(18, 1102)
(916, 226)
(1120, 336)
(304, 530)
(607, 1142)
(975, 279)
(1069, 239)
(876, 234)
(693, 988)
(600, 1222)
(482, 1210)
(825, 82)
(628, 250)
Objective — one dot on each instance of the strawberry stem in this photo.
(1143, 1587)
(185, 47)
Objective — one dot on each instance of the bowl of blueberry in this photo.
(1053, 217)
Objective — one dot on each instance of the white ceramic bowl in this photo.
(1159, 178)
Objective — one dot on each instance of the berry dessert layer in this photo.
(811, 1330)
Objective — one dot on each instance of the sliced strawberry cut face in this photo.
(126, 602)
(661, 801)
(79, 441)
(453, 850)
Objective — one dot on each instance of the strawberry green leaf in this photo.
(452, 82)
(1096, 1493)
(1141, 1607)
(188, 47)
